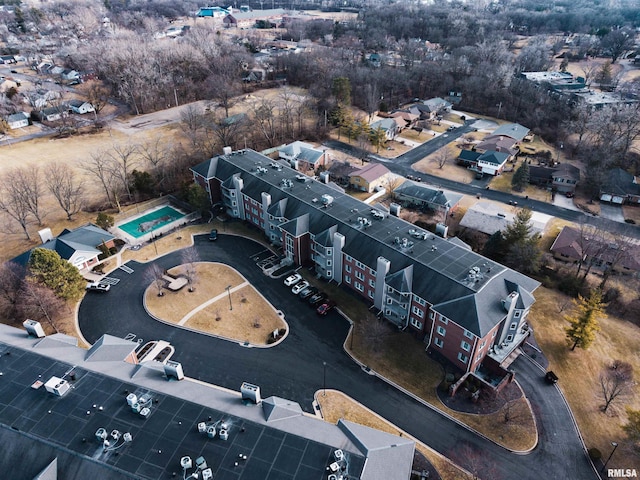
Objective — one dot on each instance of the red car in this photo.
(325, 308)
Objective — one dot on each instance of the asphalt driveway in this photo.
(294, 369)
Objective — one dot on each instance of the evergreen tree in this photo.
(104, 221)
(632, 427)
(341, 89)
(377, 138)
(494, 246)
(584, 322)
(521, 178)
(49, 269)
(520, 229)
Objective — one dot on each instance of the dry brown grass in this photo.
(336, 405)
(251, 320)
(579, 370)
(450, 170)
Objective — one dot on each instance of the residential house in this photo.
(303, 156)
(8, 59)
(433, 107)
(487, 163)
(70, 75)
(490, 217)
(426, 196)
(498, 143)
(249, 19)
(52, 114)
(80, 106)
(147, 407)
(620, 187)
(409, 118)
(513, 130)
(562, 178)
(390, 126)
(572, 245)
(7, 84)
(79, 246)
(371, 177)
(18, 120)
(467, 308)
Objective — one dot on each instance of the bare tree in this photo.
(125, 160)
(392, 182)
(11, 276)
(190, 257)
(616, 383)
(40, 303)
(61, 181)
(13, 204)
(374, 331)
(227, 130)
(155, 275)
(99, 166)
(264, 114)
(442, 157)
(25, 183)
(97, 94)
(475, 462)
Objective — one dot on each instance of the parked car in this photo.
(451, 128)
(298, 287)
(213, 235)
(325, 308)
(291, 280)
(551, 377)
(98, 287)
(307, 292)
(317, 299)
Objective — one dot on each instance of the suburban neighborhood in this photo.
(320, 241)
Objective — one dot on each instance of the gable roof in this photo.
(429, 194)
(435, 104)
(371, 172)
(385, 124)
(82, 239)
(495, 158)
(17, 117)
(620, 182)
(498, 143)
(276, 408)
(110, 349)
(513, 130)
(402, 280)
(302, 151)
(469, 155)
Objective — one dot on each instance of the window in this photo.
(271, 227)
(509, 338)
(359, 265)
(328, 272)
(389, 301)
(233, 203)
(438, 342)
(328, 263)
(441, 331)
(347, 279)
(468, 334)
(494, 334)
(432, 315)
(389, 289)
(516, 314)
(417, 311)
(387, 312)
(348, 258)
(484, 342)
(513, 326)
(465, 346)
(419, 300)
(233, 193)
(359, 275)
(444, 320)
(347, 268)
(414, 322)
(329, 251)
(270, 217)
(462, 358)
(370, 293)
(372, 283)
(359, 286)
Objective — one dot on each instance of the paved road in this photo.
(294, 369)
(402, 165)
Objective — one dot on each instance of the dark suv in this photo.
(213, 235)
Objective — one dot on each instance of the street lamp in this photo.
(324, 379)
(228, 289)
(614, 445)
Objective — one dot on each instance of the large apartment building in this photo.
(468, 308)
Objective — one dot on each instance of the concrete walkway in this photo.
(209, 302)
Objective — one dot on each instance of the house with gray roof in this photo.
(72, 414)
(390, 126)
(620, 187)
(466, 307)
(303, 156)
(422, 195)
(487, 163)
(18, 120)
(79, 246)
(513, 130)
(490, 217)
(430, 109)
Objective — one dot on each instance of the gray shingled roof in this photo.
(513, 130)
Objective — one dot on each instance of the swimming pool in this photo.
(151, 221)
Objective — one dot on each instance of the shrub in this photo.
(595, 454)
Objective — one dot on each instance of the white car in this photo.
(292, 279)
(98, 287)
(298, 287)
